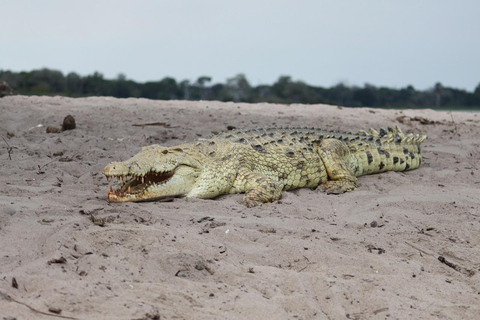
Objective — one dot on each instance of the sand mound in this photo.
(372, 253)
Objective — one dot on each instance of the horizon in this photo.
(384, 44)
(212, 83)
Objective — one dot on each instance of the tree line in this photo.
(238, 89)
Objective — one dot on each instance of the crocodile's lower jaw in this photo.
(137, 188)
(154, 186)
(145, 196)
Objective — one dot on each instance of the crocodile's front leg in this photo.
(258, 188)
(336, 156)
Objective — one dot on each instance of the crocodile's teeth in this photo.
(143, 179)
(128, 190)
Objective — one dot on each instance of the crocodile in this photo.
(263, 162)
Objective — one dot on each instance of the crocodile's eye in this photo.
(165, 151)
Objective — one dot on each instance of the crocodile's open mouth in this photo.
(136, 186)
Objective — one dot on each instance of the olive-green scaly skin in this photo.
(263, 162)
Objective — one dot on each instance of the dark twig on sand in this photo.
(159, 124)
(8, 297)
(154, 124)
(456, 128)
(456, 267)
(10, 149)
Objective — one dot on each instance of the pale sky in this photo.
(381, 42)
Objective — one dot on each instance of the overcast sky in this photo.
(381, 42)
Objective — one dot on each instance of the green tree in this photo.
(477, 90)
(46, 81)
(202, 86)
(94, 85)
(284, 90)
(168, 89)
(366, 96)
(238, 88)
(121, 88)
(164, 89)
(438, 90)
(279, 88)
(185, 88)
(73, 83)
(296, 91)
(339, 94)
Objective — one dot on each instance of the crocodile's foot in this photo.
(251, 202)
(337, 186)
(262, 195)
(260, 189)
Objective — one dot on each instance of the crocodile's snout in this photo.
(115, 168)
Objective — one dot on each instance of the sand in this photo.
(401, 246)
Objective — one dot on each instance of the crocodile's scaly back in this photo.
(372, 152)
(263, 162)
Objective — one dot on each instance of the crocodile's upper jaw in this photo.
(151, 185)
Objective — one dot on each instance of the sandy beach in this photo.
(401, 246)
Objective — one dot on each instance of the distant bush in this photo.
(238, 89)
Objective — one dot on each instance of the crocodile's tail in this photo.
(386, 150)
(396, 134)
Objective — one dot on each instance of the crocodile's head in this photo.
(154, 173)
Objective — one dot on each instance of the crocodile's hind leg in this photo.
(258, 188)
(335, 155)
